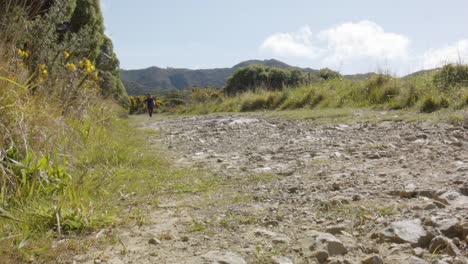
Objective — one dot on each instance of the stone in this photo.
(419, 252)
(372, 260)
(438, 261)
(335, 230)
(320, 255)
(293, 189)
(406, 231)
(439, 204)
(464, 189)
(450, 227)
(223, 257)
(277, 238)
(416, 260)
(443, 244)
(154, 241)
(281, 260)
(456, 199)
(431, 206)
(324, 241)
(357, 197)
(335, 186)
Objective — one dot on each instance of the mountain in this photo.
(269, 63)
(154, 79)
(421, 73)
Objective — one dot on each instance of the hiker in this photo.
(150, 102)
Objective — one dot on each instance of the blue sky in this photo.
(349, 36)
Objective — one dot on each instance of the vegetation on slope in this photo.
(249, 89)
(156, 80)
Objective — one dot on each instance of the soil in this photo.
(295, 191)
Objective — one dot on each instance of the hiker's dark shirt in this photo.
(149, 102)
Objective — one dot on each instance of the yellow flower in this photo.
(45, 72)
(87, 65)
(89, 69)
(22, 53)
(96, 76)
(42, 66)
(71, 66)
(66, 55)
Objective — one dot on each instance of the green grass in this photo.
(381, 92)
(113, 170)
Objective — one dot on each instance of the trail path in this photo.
(289, 191)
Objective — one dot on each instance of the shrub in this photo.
(451, 75)
(431, 104)
(255, 77)
(254, 102)
(328, 74)
(203, 95)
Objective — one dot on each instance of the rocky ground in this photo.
(289, 191)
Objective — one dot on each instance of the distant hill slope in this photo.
(155, 80)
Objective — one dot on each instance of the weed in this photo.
(196, 226)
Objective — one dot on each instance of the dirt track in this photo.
(298, 192)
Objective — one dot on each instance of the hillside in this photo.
(155, 79)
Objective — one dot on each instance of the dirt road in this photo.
(289, 191)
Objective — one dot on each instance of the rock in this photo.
(407, 231)
(320, 255)
(335, 230)
(438, 261)
(450, 228)
(439, 204)
(335, 261)
(335, 186)
(464, 189)
(456, 199)
(324, 241)
(418, 252)
(431, 206)
(443, 244)
(223, 257)
(334, 245)
(281, 260)
(293, 189)
(275, 237)
(154, 241)
(416, 260)
(372, 260)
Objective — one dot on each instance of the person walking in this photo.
(150, 103)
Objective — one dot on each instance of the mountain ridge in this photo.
(156, 79)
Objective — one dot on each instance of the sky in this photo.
(394, 36)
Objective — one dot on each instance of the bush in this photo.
(431, 104)
(328, 74)
(451, 75)
(255, 77)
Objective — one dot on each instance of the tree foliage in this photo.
(328, 74)
(451, 75)
(55, 26)
(253, 77)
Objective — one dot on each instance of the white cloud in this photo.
(292, 44)
(455, 53)
(347, 42)
(364, 39)
(360, 47)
